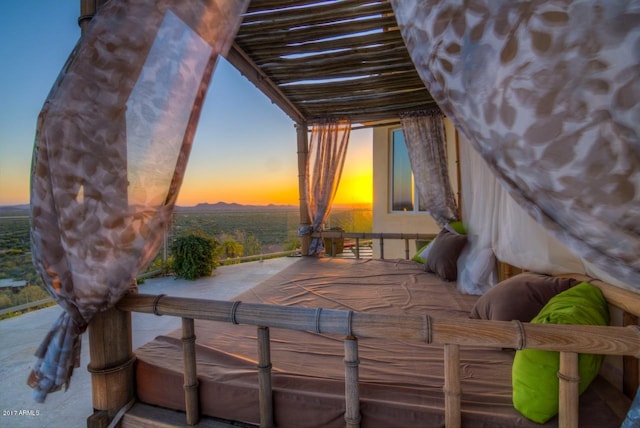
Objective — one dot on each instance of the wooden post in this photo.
(88, 9)
(406, 248)
(631, 374)
(452, 390)
(111, 365)
(303, 159)
(264, 378)
(358, 248)
(351, 379)
(569, 376)
(190, 371)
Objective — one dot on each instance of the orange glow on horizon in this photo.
(237, 180)
(354, 189)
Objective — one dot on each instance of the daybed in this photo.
(401, 380)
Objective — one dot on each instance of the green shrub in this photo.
(193, 255)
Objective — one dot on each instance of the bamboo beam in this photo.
(322, 14)
(303, 34)
(396, 82)
(285, 47)
(264, 378)
(626, 300)
(251, 71)
(351, 378)
(568, 401)
(452, 390)
(460, 331)
(355, 57)
(190, 371)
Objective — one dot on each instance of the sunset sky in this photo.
(244, 150)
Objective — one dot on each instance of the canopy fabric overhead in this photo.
(111, 148)
(548, 93)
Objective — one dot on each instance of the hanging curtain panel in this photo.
(327, 151)
(425, 139)
(111, 148)
(547, 92)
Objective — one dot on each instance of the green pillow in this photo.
(421, 254)
(534, 372)
(458, 226)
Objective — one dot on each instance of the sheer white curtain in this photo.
(546, 92)
(425, 139)
(327, 151)
(498, 227)
(111, 149)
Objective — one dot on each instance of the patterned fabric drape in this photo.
(111, 148)
(548, 93)
(327, 151)
(425, 139)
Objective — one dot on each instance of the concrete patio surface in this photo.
(20, 337)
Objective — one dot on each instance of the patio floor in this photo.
(20, 336)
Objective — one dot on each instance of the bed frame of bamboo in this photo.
(112, 358)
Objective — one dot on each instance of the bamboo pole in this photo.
(111, 365)
(568, 401)
(88, 9)
(190, 371)
(303, 159)
(630, 368)
(462, 331)
(452, 390)
(264, 378)
(351, 379)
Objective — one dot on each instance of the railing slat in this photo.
(569, 376)
(264, 378)
(190, 371)
(351, 388)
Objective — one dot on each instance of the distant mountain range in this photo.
(233, 206)
(14, 210)
(23, 209)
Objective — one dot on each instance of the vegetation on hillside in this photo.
(239, 233)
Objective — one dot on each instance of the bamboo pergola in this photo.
(344, 60)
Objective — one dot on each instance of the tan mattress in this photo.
(400, 383)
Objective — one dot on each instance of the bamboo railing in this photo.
(452, 333)
(380, 236)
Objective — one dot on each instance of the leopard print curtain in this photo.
(548, 93)
(111, 149)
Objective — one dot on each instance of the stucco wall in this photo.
(384, 220)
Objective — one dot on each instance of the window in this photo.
(404, 196)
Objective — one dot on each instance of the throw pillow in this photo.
(534, 372)
(520, 297)
(422, 253)
(443, 255)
